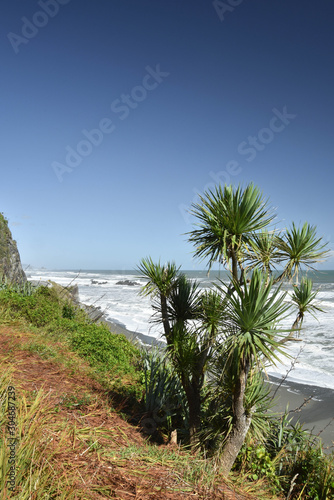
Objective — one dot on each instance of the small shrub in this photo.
(315, 471)
(289, 454)
(68, 311)
(113, 355)
(38, 309)
(256, 461)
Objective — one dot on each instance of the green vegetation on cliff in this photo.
(10, 263)
(5, 236)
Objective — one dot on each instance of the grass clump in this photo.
(35, 448)
(44, 351)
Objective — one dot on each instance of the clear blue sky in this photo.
(185, 93)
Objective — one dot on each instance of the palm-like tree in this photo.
(161, 281)
(253, 312)
(183, 300)
(190, 322)
(228, 218)
(298, 247)
(236, 324)
(303, 297)
(262, 251)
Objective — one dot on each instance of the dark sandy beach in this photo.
(316, 414)
(134, 337)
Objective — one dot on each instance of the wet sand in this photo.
(316, 415)
(135, 337)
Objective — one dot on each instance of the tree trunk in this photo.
(294, 329)
(295, 326)
(194, 403)
(191, 388)
(193, 394)
(234, 264)
(165, 322)
(240, 426)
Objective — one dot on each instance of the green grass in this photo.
(77, 401)
(48, 313)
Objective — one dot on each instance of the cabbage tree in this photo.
(227, 218)
(300, 246)
(253, 311)
(190, 321)
(233, 228)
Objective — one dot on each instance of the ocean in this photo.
(122, 304)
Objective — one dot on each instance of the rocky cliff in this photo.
(10, 262)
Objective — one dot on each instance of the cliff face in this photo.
(10, 262)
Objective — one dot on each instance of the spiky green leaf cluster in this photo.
(227, 218)
(161, 278)
(254, 310)
(303, 297)
(300, 246)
